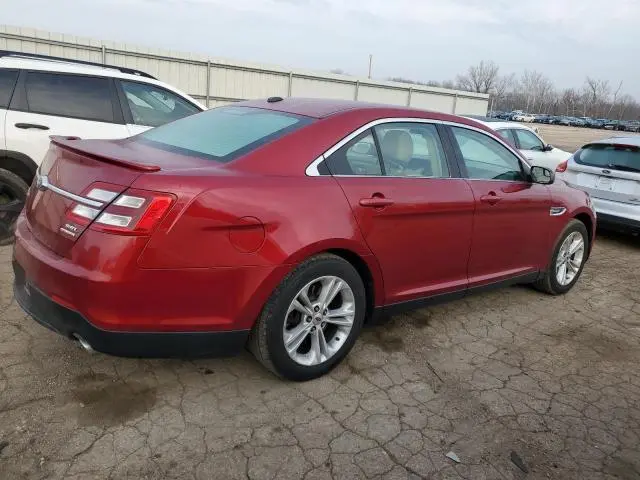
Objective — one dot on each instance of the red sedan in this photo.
(285, 225)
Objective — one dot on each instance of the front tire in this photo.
(312, 319)
(567, 260)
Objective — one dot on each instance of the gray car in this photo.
(609, 170)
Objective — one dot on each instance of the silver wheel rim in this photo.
(319, 320)
(569, 258)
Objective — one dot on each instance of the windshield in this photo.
(223, 133)
(623, 157)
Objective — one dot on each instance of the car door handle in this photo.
(376, 202)
(31, 125)
(491, 198)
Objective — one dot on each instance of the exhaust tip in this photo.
(84, 343)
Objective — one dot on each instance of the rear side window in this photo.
(153, 106)
(73, 96)
(614, 157)
(507, 135)
(7, 83)
(224, 133)
(358, 157)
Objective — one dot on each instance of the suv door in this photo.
(146, 105)
(414, 211)
(51, 103)
(7, 83)
(512, 219)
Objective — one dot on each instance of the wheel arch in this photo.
(360, 257)
(20, 164)
(590, 226)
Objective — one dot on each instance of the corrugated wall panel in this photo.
(431, 101)
(392, 96)
(244, 84)
(321, 88)
(471, 106)
(231, 80)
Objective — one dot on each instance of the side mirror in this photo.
(547, 148)
(542, 175)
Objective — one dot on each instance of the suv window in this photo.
(485, 158)
(411, 150)
(74, 96)
(507, 134)
(7, 82)
(528, 141)
(612, 157)
(153, 106)
(357, 157)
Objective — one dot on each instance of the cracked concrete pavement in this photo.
(555, 380)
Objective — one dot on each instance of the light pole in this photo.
(370, 63)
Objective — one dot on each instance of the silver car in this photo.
(609, 170)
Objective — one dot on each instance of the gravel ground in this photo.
(551, 381)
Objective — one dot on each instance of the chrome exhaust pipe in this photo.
(84, 343)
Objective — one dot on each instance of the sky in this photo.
(416, 39)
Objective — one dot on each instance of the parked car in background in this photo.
(530, 143)
(577, 122)
(193, 239)
(612, 125)
(609, 171)
(524, 117)
(42, 96)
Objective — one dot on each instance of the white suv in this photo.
(42, 96)
(609, 170)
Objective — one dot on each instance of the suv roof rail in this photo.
(35, 56)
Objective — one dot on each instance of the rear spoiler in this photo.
(72, 144)
(612, 142)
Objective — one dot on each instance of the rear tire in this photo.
(12, 189)
(554, 281)
(280, 320)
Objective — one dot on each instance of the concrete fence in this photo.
(218, 82)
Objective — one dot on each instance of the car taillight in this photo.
(562, 167)
(133, 212)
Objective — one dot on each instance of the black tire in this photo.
(12, 189)
(266, 341)
(549, 283)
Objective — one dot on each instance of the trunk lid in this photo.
(610, 171)
(65, 179)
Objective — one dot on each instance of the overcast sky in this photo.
(417, 39)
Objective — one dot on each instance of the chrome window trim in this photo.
(312, 168)
(42, 182)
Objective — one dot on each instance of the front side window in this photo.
(411, 150)
(73, 96)
(153, 106)
(485, 158)
(528, 140)
(223, 133)
(7, 83)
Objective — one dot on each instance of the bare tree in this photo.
(479, 78)
(614, 101)
(598, 92)
(570, 99)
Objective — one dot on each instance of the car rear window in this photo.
(223, 133)
(612, 156)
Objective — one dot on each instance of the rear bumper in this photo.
(72, 324)
(617, 214)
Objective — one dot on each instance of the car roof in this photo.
(321, 108)
(498, 125)
(633, 141)
(60, 66)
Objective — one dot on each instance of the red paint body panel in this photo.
(511, 236)
(422, 240)
(237, 229)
